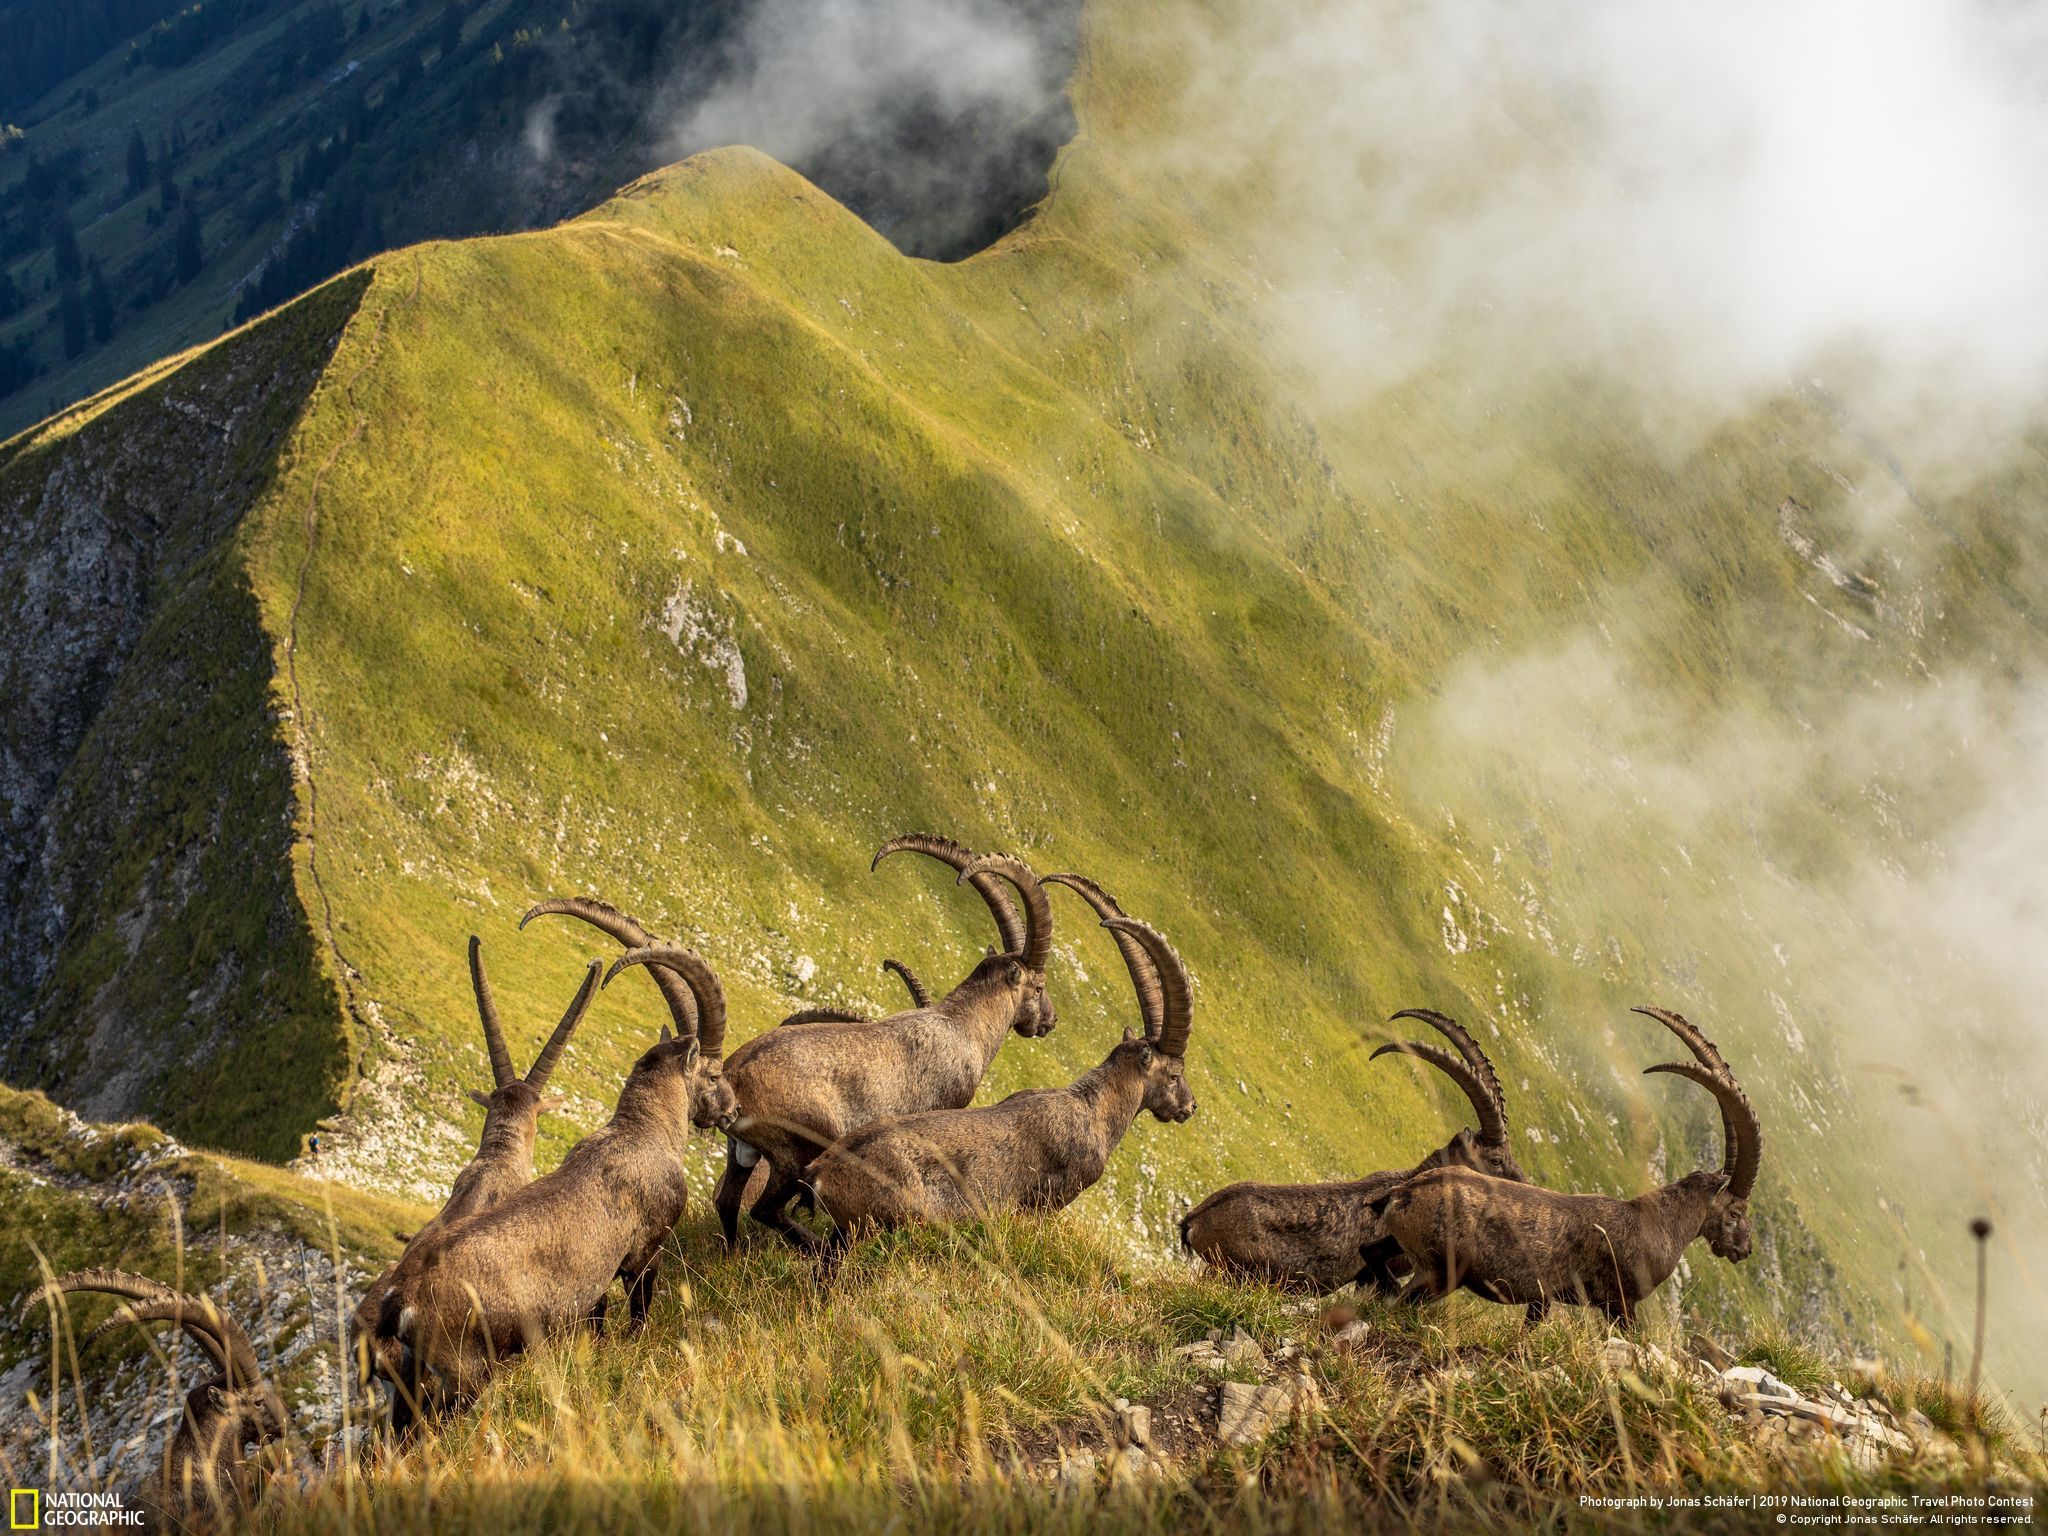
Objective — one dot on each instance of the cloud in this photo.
(1726, 196)
(929, 115)
(1855, 886)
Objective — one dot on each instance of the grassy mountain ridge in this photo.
(166, 170)
(684, 551)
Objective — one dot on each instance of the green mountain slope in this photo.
(683, 552)
(165, 169)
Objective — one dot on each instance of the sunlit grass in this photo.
(939, 1377)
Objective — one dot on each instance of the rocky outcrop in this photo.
(129, 1196)
(150, 939)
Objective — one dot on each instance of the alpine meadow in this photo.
(1503, 514)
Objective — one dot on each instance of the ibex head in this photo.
(257, 1413)
(515, 1104)
(1166, 1004)
(1019, 966)
(224, 1413)
(1165, 1001)
(1487, 1149)
(1727, 1188)
(696, 1049)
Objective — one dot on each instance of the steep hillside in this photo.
(683, 552)
(153, 943)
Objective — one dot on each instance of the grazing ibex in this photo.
(919, 998)
(544, 1257)
(1528, 1246)
(204, 1477)
(1037, 1149)
(1319, 1237)
(713, 1105)
(503, 1163)
(802, 1089)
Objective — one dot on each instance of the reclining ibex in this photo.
(203, 1477)
(545, 1256)
(1528, 1246)
(1037, 1149)
(802, 1089)
(503, 1163)
(1319, 1237)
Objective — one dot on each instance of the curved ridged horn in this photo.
(825, 1016)
(1492, 1128)
(919, 997)
(1172, 1039)
(703, 984)
(1708, 1055)
(1037, 943)
(544, 1064)
(1144, 974)
(487, 1010)
(170, 1310)
(1744, 1138)
(1704, 1051)
(113, 1282)
(219, 1334)
(1467, 1047)
(950, 853)
(609, 920)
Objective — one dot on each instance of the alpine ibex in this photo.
(1036, 1150)
(802, 1089)
(544, 1257)
(204, 1477)
(919, 998)
(1529, 1246)
(1319, 1237)
(503, 1162)
(713, 1105)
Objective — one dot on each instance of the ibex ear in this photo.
(665, 1035)
(1130, 1034)
(690, 1056)
(551, 1102)
(482, 1098)
(1013, 974)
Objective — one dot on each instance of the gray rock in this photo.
(1777, 1403)
(1246, 1413)
(1703, 1346)
(1754, 1378)
(1243, 1349)
(1135, 1424)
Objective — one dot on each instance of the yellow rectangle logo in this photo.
(29, 1499)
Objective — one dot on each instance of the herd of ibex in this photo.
(867, 1122)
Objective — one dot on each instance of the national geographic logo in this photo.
(28, 1510)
